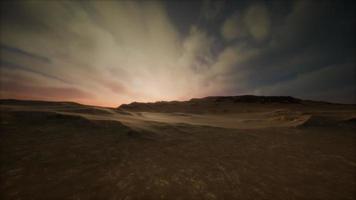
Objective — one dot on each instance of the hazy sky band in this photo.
(113, 52)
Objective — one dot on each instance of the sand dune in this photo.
(212, 148)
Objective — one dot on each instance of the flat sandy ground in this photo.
(259, 151)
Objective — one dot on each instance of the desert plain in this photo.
(241, 147)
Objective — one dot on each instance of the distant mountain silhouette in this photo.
(219, 104)
(253, 99)
(37, 102)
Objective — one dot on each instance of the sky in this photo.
(111, 52)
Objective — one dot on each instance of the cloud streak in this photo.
(119, 51)
(113, 52)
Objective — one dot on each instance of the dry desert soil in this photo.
(244, 147)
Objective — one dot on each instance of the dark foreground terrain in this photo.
(212, 148)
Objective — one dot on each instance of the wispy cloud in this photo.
(113, 52)
(118, 51)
